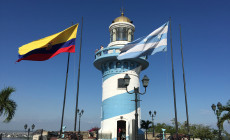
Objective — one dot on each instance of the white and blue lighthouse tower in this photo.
(117, 111)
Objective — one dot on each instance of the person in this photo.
(119, 133)
(102, 47)
(123, 135)
(1, 136)
(96, 50)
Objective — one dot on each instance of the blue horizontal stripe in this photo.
(52, 50)
(118, 105)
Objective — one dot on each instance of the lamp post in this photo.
(33, 126)
(80, 113)
(153, 115)
(25, 127)
(145, 82)
(218, 112)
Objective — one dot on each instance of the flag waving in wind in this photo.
(149, 45)
(50, 46)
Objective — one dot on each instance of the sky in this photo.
(40, 85)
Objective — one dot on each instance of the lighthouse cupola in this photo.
(121, 31)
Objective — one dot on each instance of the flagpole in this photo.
(174, 93)
(63, 109)
(185, 93)
(75, 122)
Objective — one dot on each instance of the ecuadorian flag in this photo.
(50, 46)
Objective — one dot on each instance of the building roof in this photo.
(122, 18)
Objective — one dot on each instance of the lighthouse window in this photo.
(131, 66)
(121, 83)
(113, 35)
(105, 67)
(118, 65)
(111, 65)
(126, 65)
(122, 34)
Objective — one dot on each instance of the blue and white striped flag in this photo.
(149, 45)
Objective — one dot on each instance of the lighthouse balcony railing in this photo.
(110, 51)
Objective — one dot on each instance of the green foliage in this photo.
(169, 129)
(145, 125)
(226, 115)
(198, 130)
(7, 106)
(201, 131)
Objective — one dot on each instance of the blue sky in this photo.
(40, 85)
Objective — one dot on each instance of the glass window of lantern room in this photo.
(122, 34)
(130, 34)
(132, 37)
(113, 35)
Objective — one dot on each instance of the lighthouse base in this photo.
(121, 124)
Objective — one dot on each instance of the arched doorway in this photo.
(121, 130)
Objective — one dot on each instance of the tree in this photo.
(225, 116)
(145, 125)
(201, 131)
(7, 106)
(169, 129)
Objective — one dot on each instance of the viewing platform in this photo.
(110, 54)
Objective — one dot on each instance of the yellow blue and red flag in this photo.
(48, 47)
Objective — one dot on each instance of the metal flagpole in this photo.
(174, 93)
(75, 122)
(185, 93)
(63, 109)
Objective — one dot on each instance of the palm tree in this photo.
(7, 106)
(145, 125)
(225, 116)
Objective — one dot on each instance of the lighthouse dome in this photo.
(122, 18)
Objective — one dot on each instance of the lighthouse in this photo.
(118, 109)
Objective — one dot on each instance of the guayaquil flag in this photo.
(148, 45)
(50, 46)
